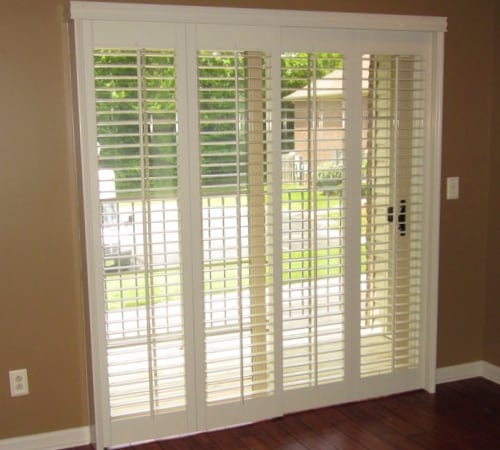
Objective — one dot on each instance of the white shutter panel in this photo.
(136, 132)
(236, 226)
(392, 213)
(313, 219)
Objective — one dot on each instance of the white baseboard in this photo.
(491, 372)
(469, 370)
(459, 372)
(74, 437)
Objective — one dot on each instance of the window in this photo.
(260, 213)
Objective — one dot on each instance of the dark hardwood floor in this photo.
(461, 415)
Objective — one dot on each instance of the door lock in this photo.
(402, 218)
(390, 214)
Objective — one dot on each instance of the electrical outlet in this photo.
(19, 382)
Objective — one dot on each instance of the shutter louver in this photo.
(236, 210)
(136, 132)
(313, 149)
(392, 208)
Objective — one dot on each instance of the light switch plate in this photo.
(452, 188)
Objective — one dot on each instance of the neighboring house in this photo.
(319, 134)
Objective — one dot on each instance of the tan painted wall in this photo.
(42, 304)
(492, 329)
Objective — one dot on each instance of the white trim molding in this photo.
(73, 437)
(249, 16)
(474, 369)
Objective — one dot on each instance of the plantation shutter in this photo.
(392, 205)
(234, 102)
(256, 187)
(313, 147)
(136, 123)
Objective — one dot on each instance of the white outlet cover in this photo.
(18, 382)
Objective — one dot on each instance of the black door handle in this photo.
(390, 214)
(402, 218)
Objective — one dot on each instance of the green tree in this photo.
(136, 104)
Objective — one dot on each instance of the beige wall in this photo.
(41, 318)
(492, 329)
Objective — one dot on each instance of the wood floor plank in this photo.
(360, 414)
(276, 436)
(309, 438)
(405, 407)
(392, 422)
(200, 441)
(353, 429)
(322, 427)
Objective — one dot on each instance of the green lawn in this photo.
(128, 289)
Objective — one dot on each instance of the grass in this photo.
(297, 198)
(129, 289)
(308, 264)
